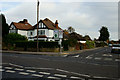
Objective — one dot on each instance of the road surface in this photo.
(88, 65)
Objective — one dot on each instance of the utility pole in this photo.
(37, 24)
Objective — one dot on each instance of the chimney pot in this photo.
(56, 24)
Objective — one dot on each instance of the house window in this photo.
(41, 32)
(31, 33)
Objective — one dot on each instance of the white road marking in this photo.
(50, 77)
(19, 69)
(46, 73)
(2, 70)
(64, 55)
(8, 68)
(10, 71)
(109, 55)
(117, 59)
(98, 58)
(15, 65)
(72, 73)
(88, 57)
(0, 66)
(39, 68)
(99, 77)
(76, 56)
(73, 77)
(108, 59)
(23, 73)
(30, 71)
(37, 75)
(60, 75)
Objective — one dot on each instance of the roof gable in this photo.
(48, 23)
(22, 26)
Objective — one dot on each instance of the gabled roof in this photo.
(48, 23)
(77, 36)
(22, 25)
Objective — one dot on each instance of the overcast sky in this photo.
(85, 17)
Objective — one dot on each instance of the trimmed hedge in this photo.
(33, 44)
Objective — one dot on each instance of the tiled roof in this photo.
(48, 23)
(22, 26)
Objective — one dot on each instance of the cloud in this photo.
(86, 18)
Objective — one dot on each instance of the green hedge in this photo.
(90, 44)
(33, 44)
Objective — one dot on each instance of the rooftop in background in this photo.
(23, 25)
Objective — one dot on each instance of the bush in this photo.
(33, 44)
(69, 43)
(11, 38)
(90, 44)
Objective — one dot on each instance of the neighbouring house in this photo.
(46, 29)
(21, 27)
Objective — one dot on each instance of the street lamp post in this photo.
(37, 24)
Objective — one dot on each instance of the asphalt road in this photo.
(88, 65)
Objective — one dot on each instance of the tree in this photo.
(104, 34)
(13, 37)
(5, 27)
(71, 29)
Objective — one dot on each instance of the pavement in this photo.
(50, 53)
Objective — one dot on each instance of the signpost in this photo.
(58, 35)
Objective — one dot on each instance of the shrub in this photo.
(11, 38)
(33, 44)
(90, 44)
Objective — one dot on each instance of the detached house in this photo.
(21, 27)
(46, 29)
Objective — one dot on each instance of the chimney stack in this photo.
(25, 21)
(56, 24)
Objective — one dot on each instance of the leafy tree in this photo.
(104, 34)
(5, 27)
(13, 37)
(71, 29)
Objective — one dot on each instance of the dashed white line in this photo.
(30, 71)
(37, 75)
(8, 68)
(73, 77)
(64, 55)
(88, 57)
(39, 68)
(10, 71)
(23, 73)
(51, 77)
(60, 75)
(108, 59)
(98, 58)
(2, 70)
(117, 59)
(107, 55)
(19, 69)
(46, 73)
(76, 56)
(15, 65)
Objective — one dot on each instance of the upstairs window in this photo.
(31, 33)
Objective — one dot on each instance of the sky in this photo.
(86, 17)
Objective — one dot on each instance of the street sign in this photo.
(56, 34)
(60, 33)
